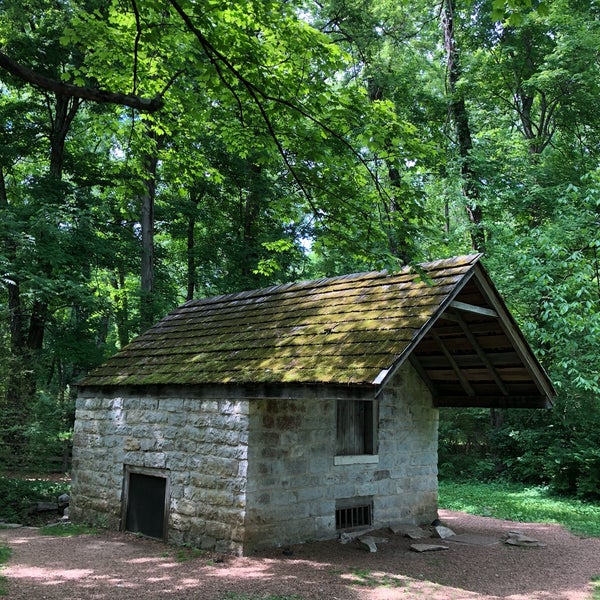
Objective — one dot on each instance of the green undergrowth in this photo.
(5, 553)
(367, 578)
(596, 587)
(517, 503)
(18, 494)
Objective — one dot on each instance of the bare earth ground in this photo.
(117, 566)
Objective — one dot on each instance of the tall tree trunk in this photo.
(12, 414)
(27, 337)
(195, 198)
(462, 127)
(65, 110)
(148, 310)
(460, 118)
(250, 205)
(376, 93)
(121, 306)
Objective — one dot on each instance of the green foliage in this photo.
(464, 450)
(20, 494)
(517, 503)
(299, 141)
(5, 553)
(557, 448)
(596, 587)
(187, 552)
(365, 577)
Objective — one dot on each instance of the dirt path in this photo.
(117, 566)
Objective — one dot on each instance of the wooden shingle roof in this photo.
(355, 329)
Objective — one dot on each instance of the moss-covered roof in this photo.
(340, 330)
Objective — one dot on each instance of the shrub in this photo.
(18, 495)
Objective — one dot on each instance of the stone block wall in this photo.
(199, 444)
(249, 473)
(293, 483)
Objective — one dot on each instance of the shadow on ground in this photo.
(115, 566)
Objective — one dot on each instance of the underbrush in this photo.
(19, 494)
(515, 502)
(5, 553)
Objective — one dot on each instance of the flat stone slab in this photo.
(427, 547)
(414, 532)
(368, 543)
(443, 531)
(349, 536)
(516, 538)
(473, 539)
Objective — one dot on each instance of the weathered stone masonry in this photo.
(201, 444)
(293, 483)
(248, 473)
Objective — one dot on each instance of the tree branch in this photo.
(148, 105)
(217, 59)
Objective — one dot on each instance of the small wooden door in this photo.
(146, 497)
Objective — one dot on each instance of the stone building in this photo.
(295, 412)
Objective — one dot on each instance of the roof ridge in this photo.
(263, 334)
(467, 259)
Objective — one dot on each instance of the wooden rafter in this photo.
(492, 402)
(472, 308)
(464, 382)
(482, 355)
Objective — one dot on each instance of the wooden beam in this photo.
(463, 380)
(472, 308)
(482, 355)
(513, 333)
(491, 402)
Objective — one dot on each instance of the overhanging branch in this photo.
(148, 105)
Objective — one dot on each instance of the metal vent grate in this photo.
(353, 516)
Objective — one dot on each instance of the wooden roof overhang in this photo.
(472, 353)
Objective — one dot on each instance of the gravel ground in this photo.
(118, 566)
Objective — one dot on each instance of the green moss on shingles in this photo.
(338, 330)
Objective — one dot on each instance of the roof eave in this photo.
(386, 375)
(512, 330)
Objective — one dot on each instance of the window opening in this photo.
(355, 427)
(353, 513)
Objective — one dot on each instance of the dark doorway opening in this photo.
(146, 503)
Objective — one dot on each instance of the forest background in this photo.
(158, 150)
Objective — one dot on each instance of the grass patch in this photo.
(370, 579)
(186, 553)
(596, 587)
(67, 530)
(514, 502)
(5, 553)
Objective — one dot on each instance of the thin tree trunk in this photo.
(460, 118)
(147, 264)
(249, 212)
(121, 306)
(195, 198)
(148, 301)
